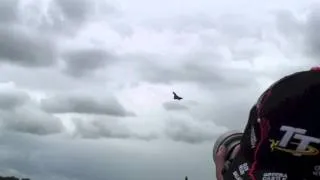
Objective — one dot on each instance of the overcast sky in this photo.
(86, 85)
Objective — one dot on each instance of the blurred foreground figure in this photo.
(281, 140)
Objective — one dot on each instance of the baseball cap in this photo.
(282, 136)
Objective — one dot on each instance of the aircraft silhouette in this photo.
(176, 97)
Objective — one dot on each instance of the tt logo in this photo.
(298, 138)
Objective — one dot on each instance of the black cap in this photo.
(282, 136)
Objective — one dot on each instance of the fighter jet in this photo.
(176, 97)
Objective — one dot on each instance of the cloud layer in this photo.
(86, 86)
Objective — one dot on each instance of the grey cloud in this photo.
(185, 23)
(38, 79)
(124, 29)
(83, 62)
(312, 28)
(229, 26)
(246, 54)
(31, 120)
(192, 131)
(26, 48)
(238, 26)
(10, 99)
(288, 24)
(9, 11)
(101, 128)
(107, 128)
(57, 158)
(203, 68)
(300, 34)
(19, 113)
(173, 106)
(67, 17)
(229, 108)
(84, 104)
(8, 172)
(238, 33)
(80, 11)
(38, 159)
(232, 114)
(290, 35)
(75, 10)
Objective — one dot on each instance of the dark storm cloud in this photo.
(173, 106)
(106, 128)
(26, 48)
(85, 104)
(85, 61)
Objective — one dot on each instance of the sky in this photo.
(86, 85)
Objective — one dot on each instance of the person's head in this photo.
(282, 136)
